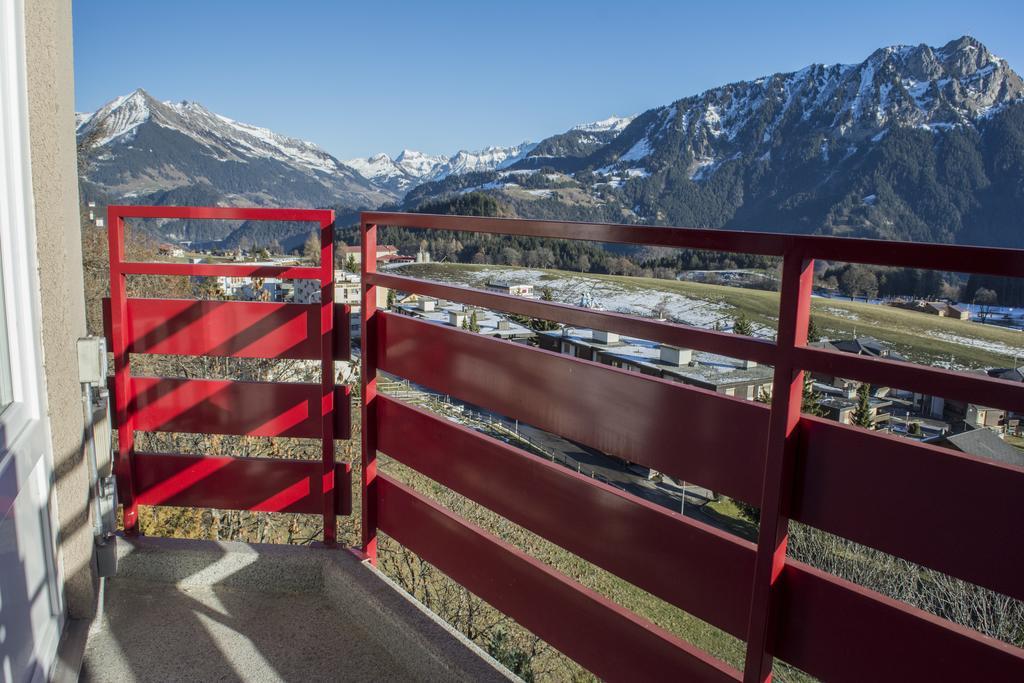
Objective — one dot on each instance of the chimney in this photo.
(606, 337)
(673, 355)
(748, 364)
(504, 325)
(456, 318)
(427, 305)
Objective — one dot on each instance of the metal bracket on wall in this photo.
(92, 374)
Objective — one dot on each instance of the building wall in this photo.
(51, 96)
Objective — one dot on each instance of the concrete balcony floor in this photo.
(203, 611)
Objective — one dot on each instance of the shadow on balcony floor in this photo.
(203, 611)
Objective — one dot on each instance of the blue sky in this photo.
(365, 77)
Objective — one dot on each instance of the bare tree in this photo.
(986, 299)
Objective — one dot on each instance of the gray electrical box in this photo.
(92, 361)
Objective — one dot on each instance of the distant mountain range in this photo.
(915, 142)
(410, 169)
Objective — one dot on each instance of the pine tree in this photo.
(742, 325)
(861, 416)
(809, 403)
(539, 325)
(813, 334)
(391, 298)
(474, 322)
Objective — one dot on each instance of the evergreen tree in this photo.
(861, 416)
(742, 325)
(539, 325)
(391, 298)
(813, 334)
(474, 322)
(809, 403)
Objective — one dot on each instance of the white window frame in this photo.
(22, 446)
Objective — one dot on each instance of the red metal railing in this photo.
(241, 330)
(872, 488)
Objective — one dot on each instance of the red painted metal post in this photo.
(787, 394)
(327, 406)
(368, 375)
(123, 397)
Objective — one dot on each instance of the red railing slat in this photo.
(290, 329)
(610, 641)
(977, 388)
(317, 216)
(205, 406)
(680, 427)
(950, 511)
(838, 631)
(691, 565)
(216, 269)
(254, 484)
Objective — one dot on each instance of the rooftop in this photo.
(709, 368)
(986, 444)
(491, 324)
(862, 346)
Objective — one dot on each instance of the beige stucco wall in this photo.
(51, 97)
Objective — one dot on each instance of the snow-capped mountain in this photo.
(141, 149)
(411, 168)
(577, 142)
(385, 172)
(959, 84)
(915, 142)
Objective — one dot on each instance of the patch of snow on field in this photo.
(973, 342)
(841, 313)
(612, 296)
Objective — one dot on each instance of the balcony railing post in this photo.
(123, 399)
(327, 378)
(368, 375)
(787, 395)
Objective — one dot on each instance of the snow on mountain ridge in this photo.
(612, 123)
(225, 137)
(922, 87)
(412, 168)
(141, 147)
